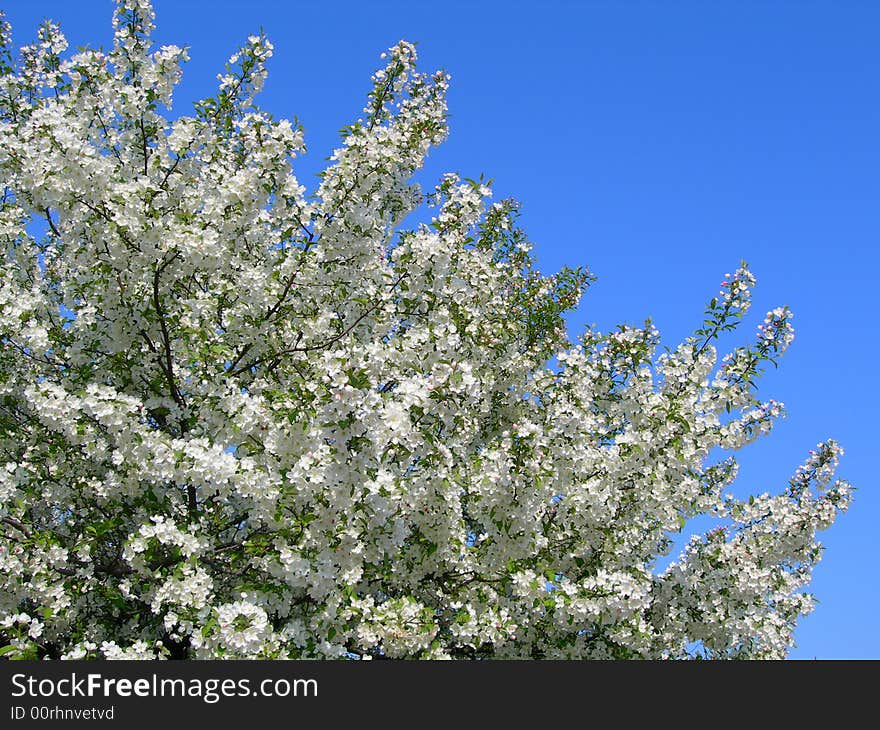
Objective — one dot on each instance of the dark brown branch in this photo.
(20, 526)
(144, 147)
(52, 224)
(319, 345)
(166, 337)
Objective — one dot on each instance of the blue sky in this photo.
(658, 144)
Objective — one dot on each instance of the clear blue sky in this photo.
(657, 143)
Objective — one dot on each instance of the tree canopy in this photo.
(243, 419)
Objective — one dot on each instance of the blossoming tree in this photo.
(240, 420)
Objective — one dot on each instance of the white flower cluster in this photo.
(237, 420)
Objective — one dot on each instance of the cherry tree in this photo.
(241, 419)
